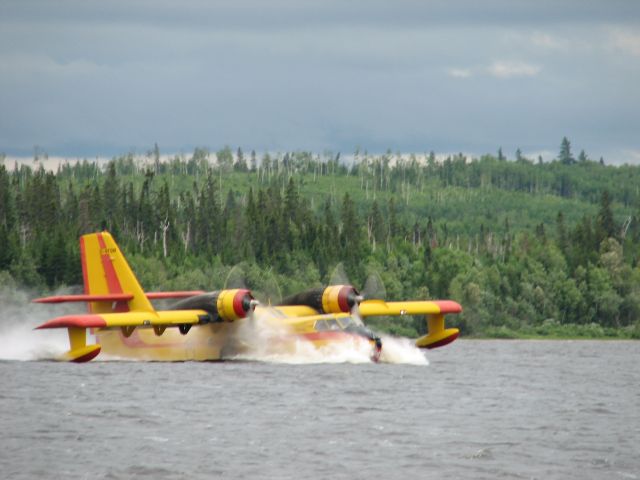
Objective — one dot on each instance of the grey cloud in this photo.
(119, 75)
(277, 14)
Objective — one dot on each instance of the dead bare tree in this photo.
(164, 225)
(186, 237)
(140, 235)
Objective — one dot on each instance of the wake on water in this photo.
(394, 350)
(261, 339)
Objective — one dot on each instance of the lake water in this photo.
(476, 409)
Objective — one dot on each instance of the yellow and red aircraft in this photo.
(206, 326)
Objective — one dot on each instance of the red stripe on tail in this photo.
(110, 273)
(85, 278)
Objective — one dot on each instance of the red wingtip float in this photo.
(205, 326)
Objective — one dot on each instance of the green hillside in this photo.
(528, 248)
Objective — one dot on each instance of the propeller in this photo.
(373, 288)
(373, 285)
(263, 285)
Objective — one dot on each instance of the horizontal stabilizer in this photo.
(116, 297)
(161, 295)
(109, 297)
(77, 321)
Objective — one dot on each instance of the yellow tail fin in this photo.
(106, 271)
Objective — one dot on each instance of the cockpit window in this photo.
(345, 322)
(342, 323)
(332, 324)
(321, 325)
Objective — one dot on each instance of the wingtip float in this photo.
(205, 326)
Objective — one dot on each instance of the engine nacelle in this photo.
(332, 299)
(226, 305)
(235, 304)
(339, 298)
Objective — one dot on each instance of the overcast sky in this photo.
(87, 78)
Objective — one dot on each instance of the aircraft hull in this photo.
(200, 343)
(208, 343)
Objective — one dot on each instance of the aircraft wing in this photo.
(370, 308)
(295, 310)
(129, 319)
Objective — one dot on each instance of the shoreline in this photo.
(549, 337)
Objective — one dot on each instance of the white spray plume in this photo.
(401, 350)
(264, 338)
(19, 317)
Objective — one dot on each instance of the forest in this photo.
(528, 248)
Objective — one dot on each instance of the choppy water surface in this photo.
(479, 409)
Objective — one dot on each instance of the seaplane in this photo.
(209, 326)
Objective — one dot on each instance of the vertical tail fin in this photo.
(106, 271)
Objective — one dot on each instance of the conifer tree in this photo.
(582, 157)
(376, 224)
(111, 194)
(7, 205)
(605, 224)
(565, 156)
(561, 233)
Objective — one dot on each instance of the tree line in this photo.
(525, 246)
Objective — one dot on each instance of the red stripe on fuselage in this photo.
(329, 335)
(113, 284)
